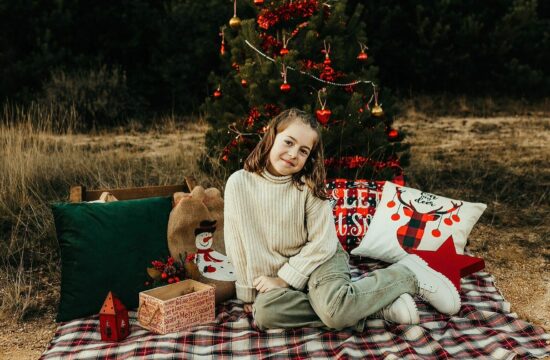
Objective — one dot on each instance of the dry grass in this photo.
(419, 106)
(38, 166)
(500, 161)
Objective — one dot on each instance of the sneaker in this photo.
(402, 311)
(433, 286)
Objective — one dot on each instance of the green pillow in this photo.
(107, 247)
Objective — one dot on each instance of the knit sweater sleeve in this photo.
(321, 244)
(234, 246)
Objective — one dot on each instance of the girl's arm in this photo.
(234, 246)
(320, 246)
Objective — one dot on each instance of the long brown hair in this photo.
(313, 172)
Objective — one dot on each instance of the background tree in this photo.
(497, 47)
(309, 55)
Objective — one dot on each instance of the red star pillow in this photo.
(454, 266)
(407, 219)
(353, 205)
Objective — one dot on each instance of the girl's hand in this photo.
(266, 283)
(248, 308)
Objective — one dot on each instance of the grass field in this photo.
(501, 161)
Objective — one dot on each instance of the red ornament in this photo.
(217, 93)
(362, 56)
(283, 51)
(323, 115)
(258, 2)
(244, 83)
(445, 260)
(328, 73)
(285, 87)
(327, 61)
(395, 217)
(391, 204)
(222, 47)
(436, 233)
(393, 134)
(113, 319)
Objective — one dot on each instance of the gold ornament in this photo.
(377, 111)
(235, 22)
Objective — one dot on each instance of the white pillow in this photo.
(407, 218)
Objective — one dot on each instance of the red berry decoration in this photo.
(283, 51)
(456, 218)
(258, 2)
(448, 221)
(436, 233)
(164, 275)
(327, 61)
(323, 115)
(217, 93)
(391, 204)
(393, 135)
(244, 83)
(171, 280)
(395, 217)
(285, 87)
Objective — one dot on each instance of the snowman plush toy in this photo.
(212, 264)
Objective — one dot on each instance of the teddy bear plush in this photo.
(195, 232)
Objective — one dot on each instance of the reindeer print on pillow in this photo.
(408, 219)
(410, 235)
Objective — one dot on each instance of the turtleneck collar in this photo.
(276, 179)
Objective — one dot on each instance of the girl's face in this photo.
(291, 149)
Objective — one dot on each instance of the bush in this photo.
(101, 96)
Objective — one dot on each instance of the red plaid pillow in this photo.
(353, 205)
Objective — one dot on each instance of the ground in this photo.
(515, 250)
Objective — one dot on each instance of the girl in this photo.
(281, 238)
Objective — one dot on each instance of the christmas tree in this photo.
(310, 55)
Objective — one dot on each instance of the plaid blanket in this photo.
(484, 328)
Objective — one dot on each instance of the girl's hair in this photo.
(313, 172)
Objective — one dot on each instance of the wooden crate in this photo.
(174, 307)
(80, 193)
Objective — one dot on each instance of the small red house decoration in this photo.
(113, 319)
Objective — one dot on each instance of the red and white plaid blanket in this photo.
(484, 328)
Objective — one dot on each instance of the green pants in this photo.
(333, 300)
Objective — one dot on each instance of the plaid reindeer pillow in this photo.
(408, 219)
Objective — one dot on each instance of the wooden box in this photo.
(174, 307)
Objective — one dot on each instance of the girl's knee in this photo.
(332, 306)
(263, 317)
(264, 309)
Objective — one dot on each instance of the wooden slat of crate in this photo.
(79, 193)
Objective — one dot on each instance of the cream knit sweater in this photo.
(272, 228)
